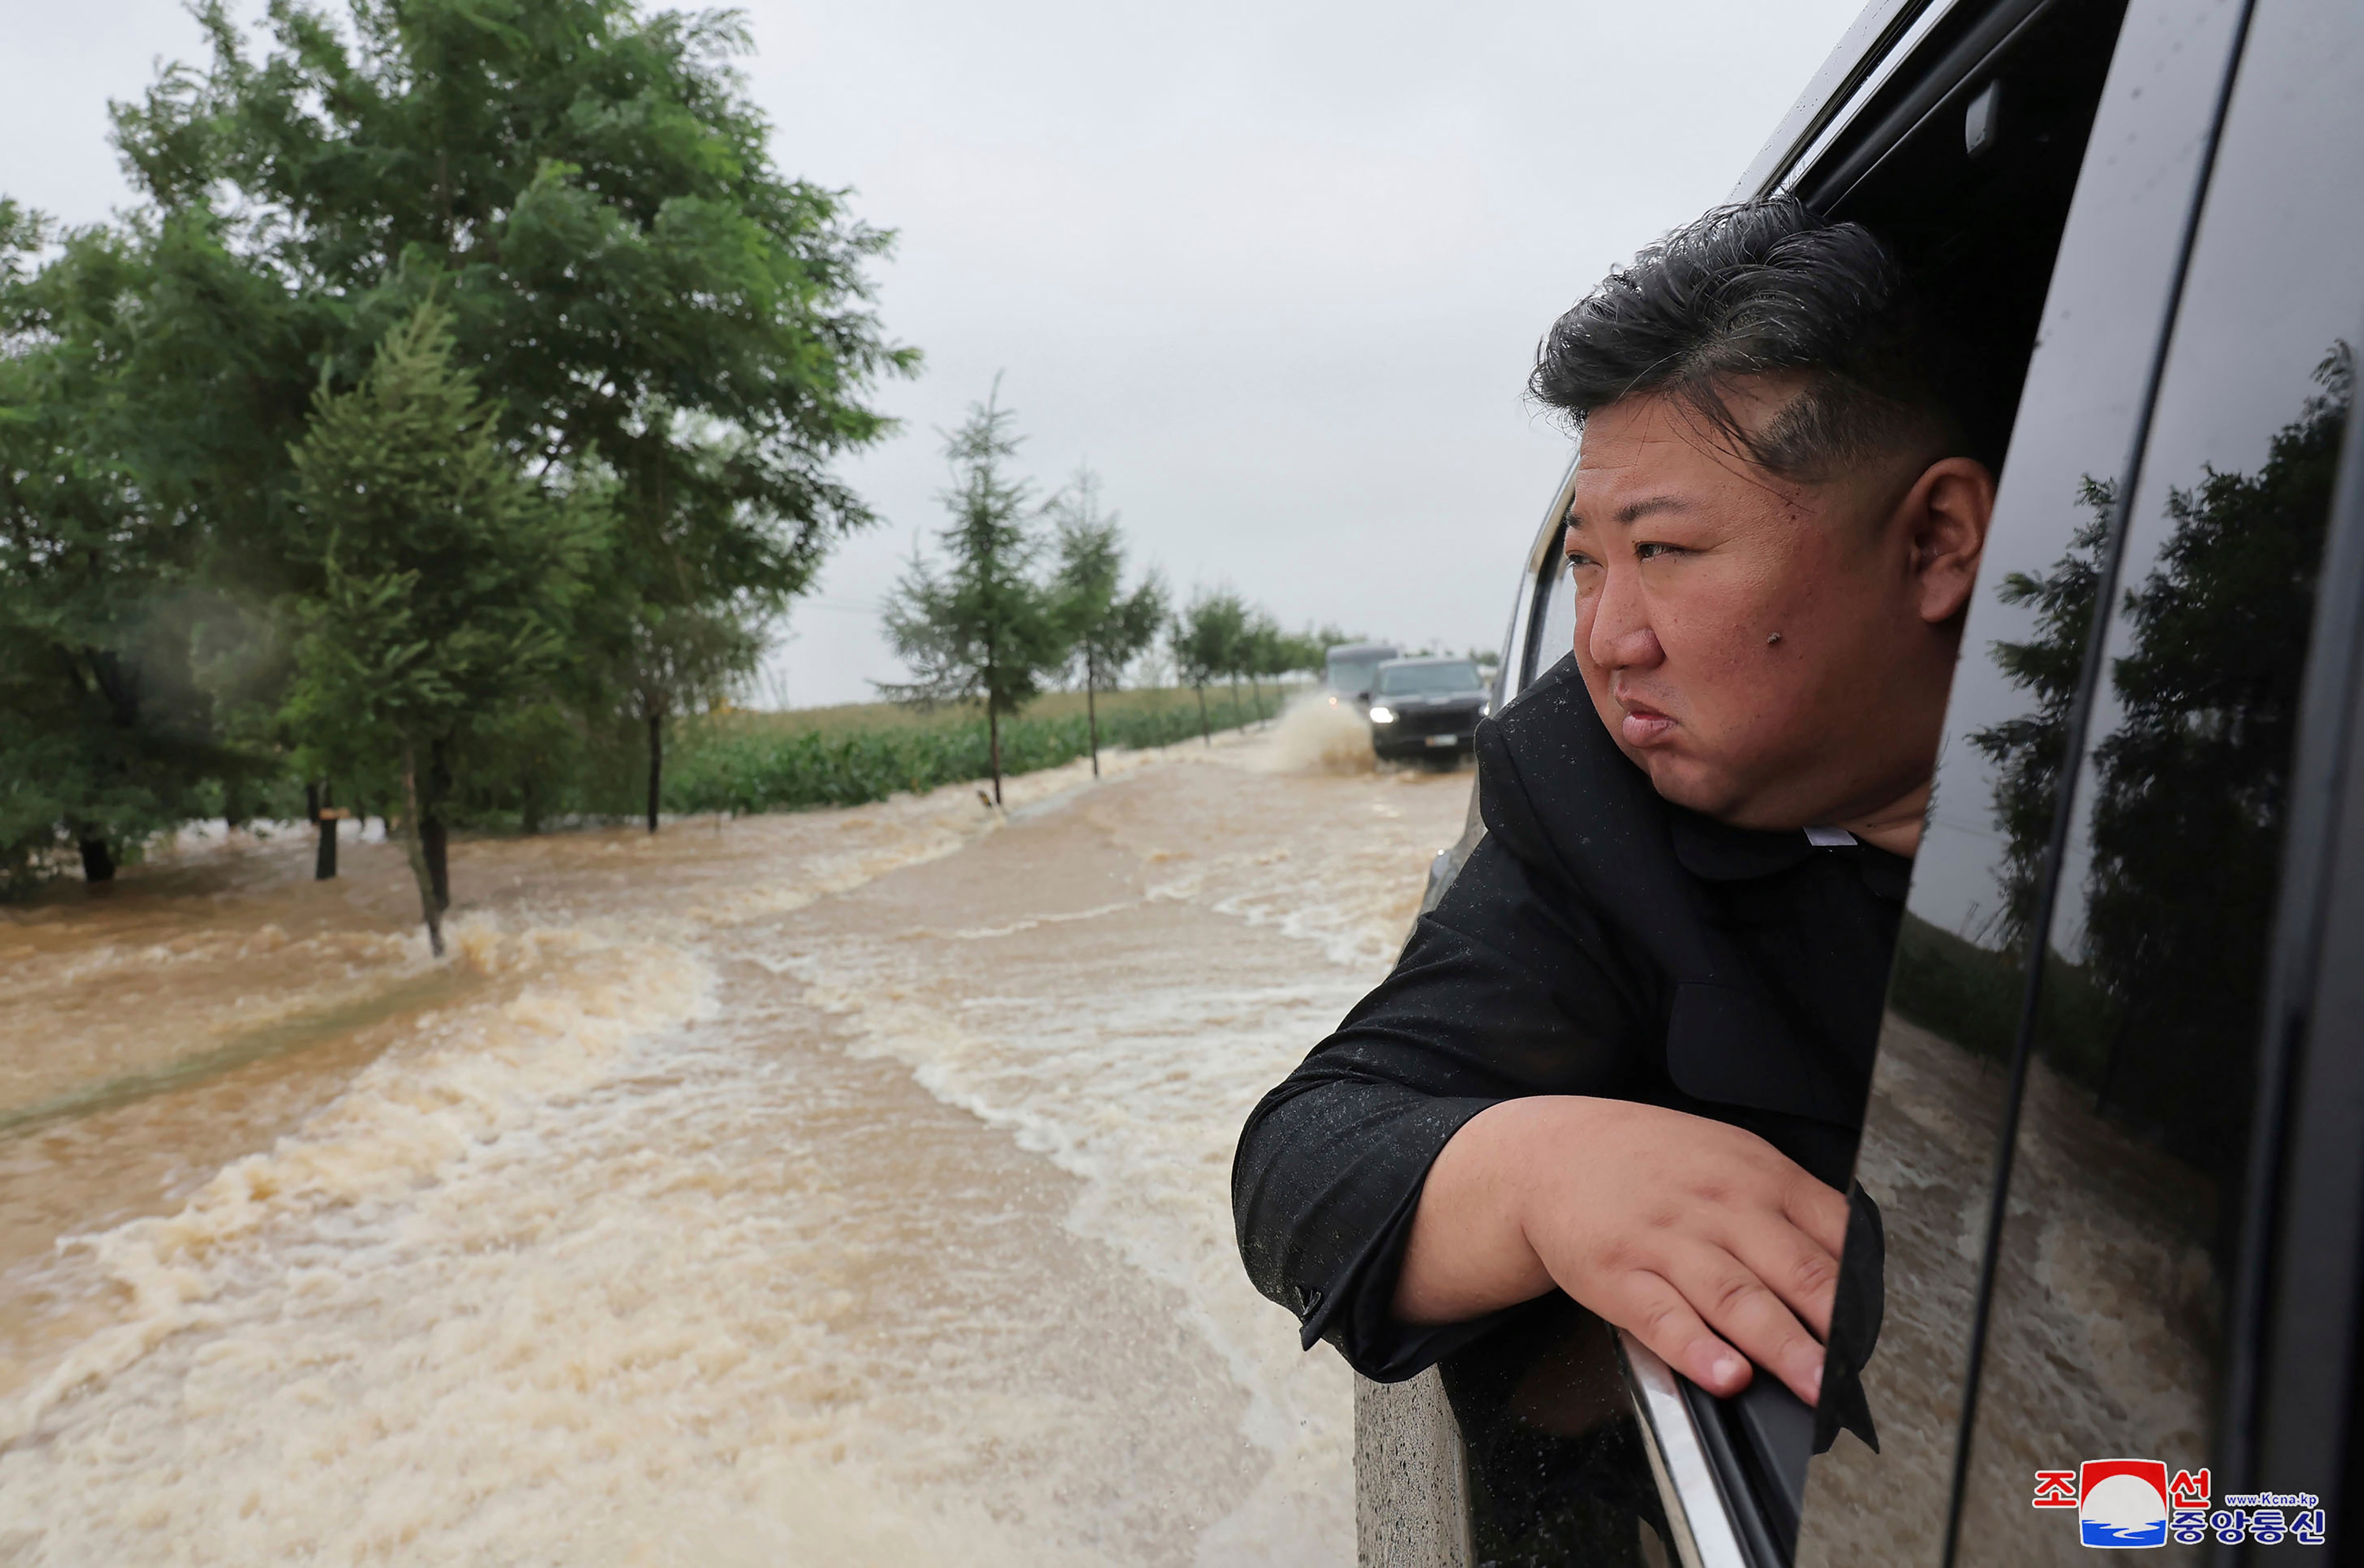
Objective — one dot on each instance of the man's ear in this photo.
(1943, 518)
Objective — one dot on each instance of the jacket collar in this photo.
(1714, 852)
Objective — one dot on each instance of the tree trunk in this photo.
(1235, 699)
(97, 861)
(432, 832)
(1092, 715)
(656, 764)
(993, 746)
(324, 854)
(1203, 732)
(1257, 687)
(415, 839)
(435, 842)
(530, 806)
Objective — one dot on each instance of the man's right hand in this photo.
(1706, 1243)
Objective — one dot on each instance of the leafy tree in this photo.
(1233, 627)
(128, 420)
(447, 577)
(1106, 627)
(648, 300)
(1209, 637)
(1272, 653)
(663, 661)
(983, 629)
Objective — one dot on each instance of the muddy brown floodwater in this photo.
(844, 1187)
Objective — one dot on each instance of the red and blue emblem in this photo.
(2122, 1502)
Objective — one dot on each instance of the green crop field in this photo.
(741, 761)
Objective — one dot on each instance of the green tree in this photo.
(447, 577)
(1106, 627)
(982, 629)
(645, 297)
(1210, 641)
(664, 661)
(1268, 653)
(130, 418)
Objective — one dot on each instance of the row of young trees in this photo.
(461, 394)
(1012, 608)
(1219, 636)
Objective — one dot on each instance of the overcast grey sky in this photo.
(1276, 270)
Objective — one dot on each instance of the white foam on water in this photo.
(412, 1114)
(1142, 1092)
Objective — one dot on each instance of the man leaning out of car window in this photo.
(1626, 1056)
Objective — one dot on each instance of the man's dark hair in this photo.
(1762, 288)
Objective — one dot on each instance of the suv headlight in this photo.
(1383, 716)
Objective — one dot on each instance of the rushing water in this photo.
(845, 1187)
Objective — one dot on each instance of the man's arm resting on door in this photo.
(1700, 1237)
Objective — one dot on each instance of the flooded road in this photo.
(844, 1187)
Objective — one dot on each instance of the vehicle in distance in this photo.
(1427, 707)
(1350, 667)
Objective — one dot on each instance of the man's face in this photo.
(1774, 654)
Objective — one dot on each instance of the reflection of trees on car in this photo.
(2028, 752)
(2168, 970)
(2176, 940)
(1969, 987)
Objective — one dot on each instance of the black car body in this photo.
(2117, 1123)
(1427, 708)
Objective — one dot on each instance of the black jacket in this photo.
(1600, 940)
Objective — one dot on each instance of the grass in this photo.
(860, 752)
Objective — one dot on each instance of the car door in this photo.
(2113, 1311)
(1939, 1123)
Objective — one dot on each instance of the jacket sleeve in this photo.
(1508, 988)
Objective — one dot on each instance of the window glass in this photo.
(2105, 1334)
(1555, 633)
(1430, 680)
(1353, 675)
(1938, 1094)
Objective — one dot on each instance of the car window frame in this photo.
(1520, 643)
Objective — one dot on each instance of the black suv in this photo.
(1427, 710)
(2117, 1123)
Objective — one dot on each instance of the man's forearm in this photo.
(1698, 1236)
(1469, 1254)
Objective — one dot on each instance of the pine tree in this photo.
(1106, 627)
(447, 577)
(982, 629)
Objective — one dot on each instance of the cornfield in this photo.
(742, 769)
